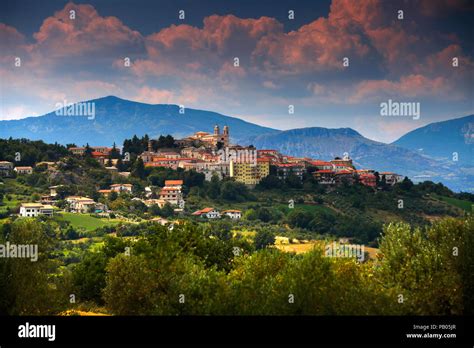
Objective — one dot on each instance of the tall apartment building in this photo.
(249, 173)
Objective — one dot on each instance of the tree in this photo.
(270, 182)
(88, 151)
(139, 169)
(264, 214)
(25, 288)
(89, 277)
(114, 153)
(214, 187)
(155, 210)
(433, 268)
(233, 191)
(263, 238)
(167, 210)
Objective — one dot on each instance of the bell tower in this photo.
(226, 135)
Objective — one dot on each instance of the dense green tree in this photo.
(263, 239)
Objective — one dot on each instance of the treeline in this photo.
(193, 270)
(24, 152)
(136, 145)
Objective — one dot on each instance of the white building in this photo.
(209, 213)
(35, 209)
(79, 204)
(233, 214)
(6, 168)
(121, 188)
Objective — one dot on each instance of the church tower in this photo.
(226, 136)
(216, 130)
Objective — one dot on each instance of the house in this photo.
(342, 163)
(53, 190)
(104, 150)
(322, 165)
(174, 183)
(368, 179)
(159, 202)
(209, 213)
(49, 166)
(344, 176)
(6, 168)
(35, 209)
(325, 177)
(106, 193)
(233, 214)
(160, 220)
(78, 204)
(171, 193)
(77, 150)
(283, 170)
(24, 170)
(121, 188)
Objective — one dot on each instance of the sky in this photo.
(285, 64)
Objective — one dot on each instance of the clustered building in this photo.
(214, 155)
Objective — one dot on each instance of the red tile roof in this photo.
(173, 182)
(321, 163)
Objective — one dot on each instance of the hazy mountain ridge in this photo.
(326, 144)
(441, 140)
(118, 119)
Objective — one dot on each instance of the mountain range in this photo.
(423, 154)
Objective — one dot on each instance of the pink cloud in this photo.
(88, 32)
(411, 86)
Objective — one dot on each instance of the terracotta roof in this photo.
(321, 163)
(98, 154)
(288, 165)
(173, 182)
(231, 211)
(203, 211)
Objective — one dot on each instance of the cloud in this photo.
(83, 58)
(411, 86)
(88, 33)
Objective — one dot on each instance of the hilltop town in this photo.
(212, 155)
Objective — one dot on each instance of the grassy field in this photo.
(9, 203)
(465, 205)
(86, 222)
(300, 248)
